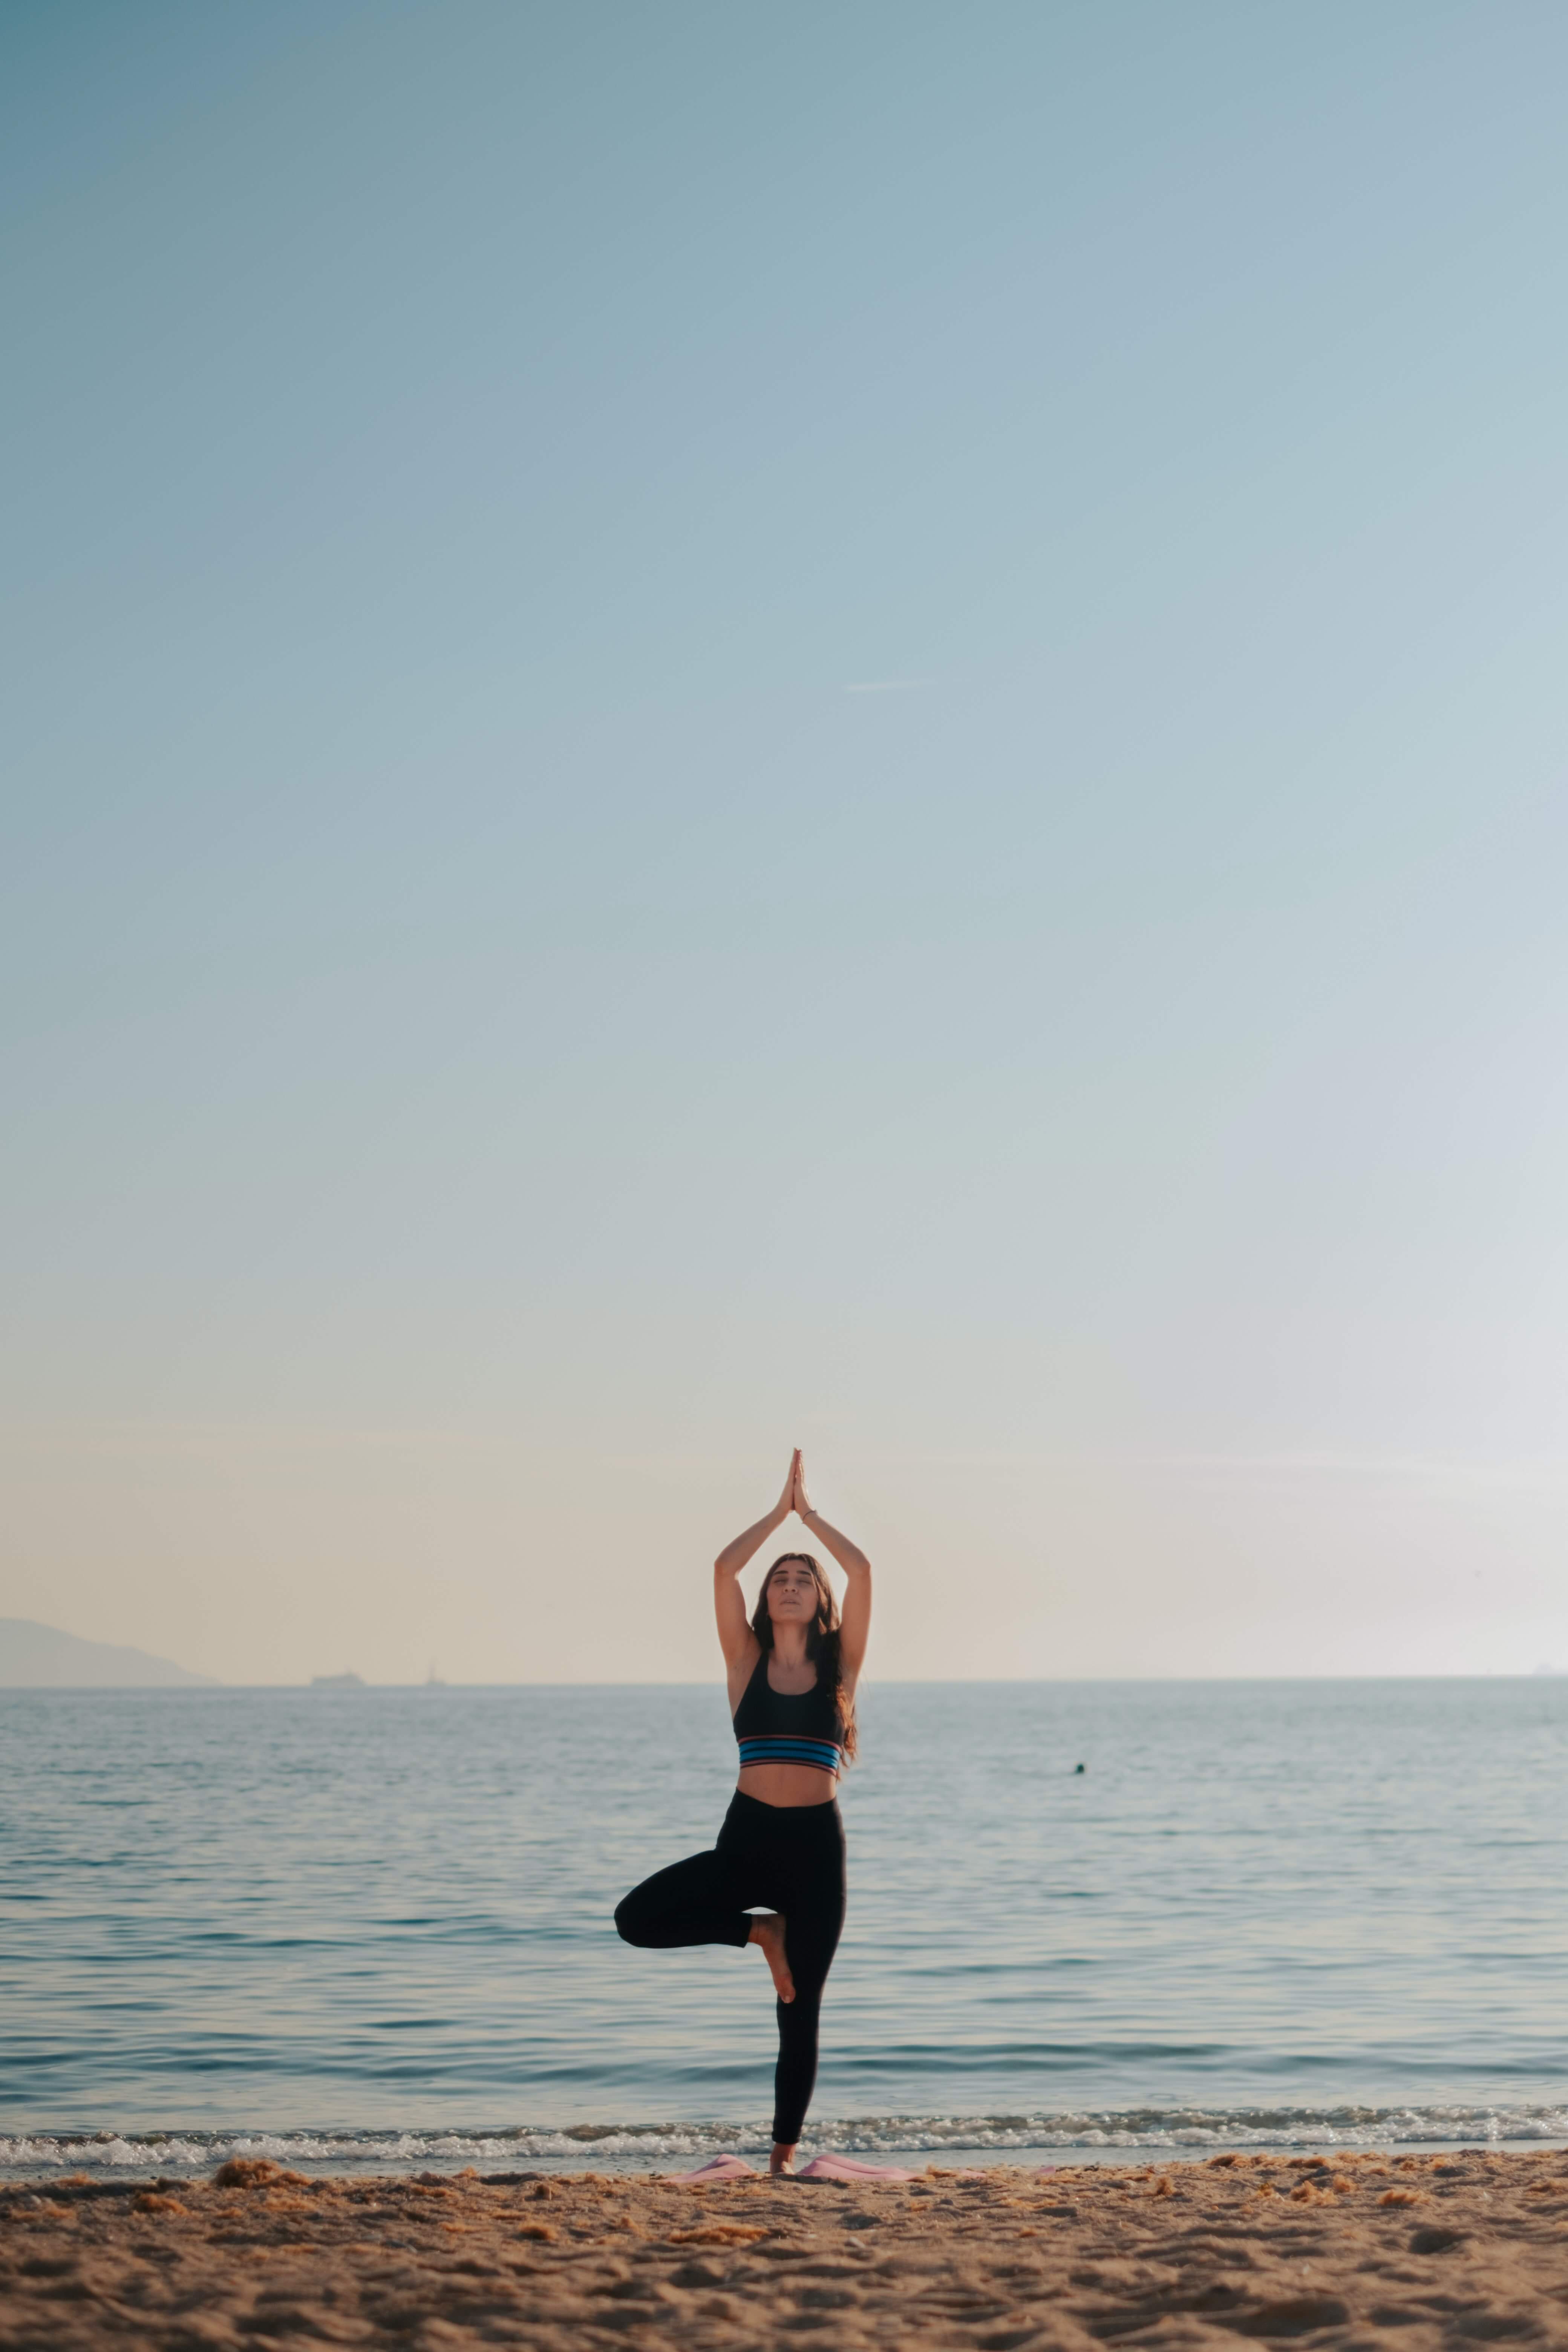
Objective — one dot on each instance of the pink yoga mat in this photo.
(845, 2168)
(821, 2167)
(851, 2169)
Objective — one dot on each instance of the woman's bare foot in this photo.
(782, 2161)
(768, 1930)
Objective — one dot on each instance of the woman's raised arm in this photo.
(736, 1638)
(855, 1616)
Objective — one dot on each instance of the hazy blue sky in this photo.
(840, 724)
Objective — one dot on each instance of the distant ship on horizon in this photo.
(337, 1682)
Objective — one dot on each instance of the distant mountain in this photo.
(40, 1657)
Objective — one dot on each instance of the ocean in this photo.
(372, 1927)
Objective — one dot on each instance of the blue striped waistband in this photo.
(823, 1754)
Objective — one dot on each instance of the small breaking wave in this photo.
(639, 2147)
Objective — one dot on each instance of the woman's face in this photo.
(792, 1594)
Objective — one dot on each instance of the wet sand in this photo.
(1358, 2251)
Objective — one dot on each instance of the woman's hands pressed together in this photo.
(800, 1501)
(793, 1490)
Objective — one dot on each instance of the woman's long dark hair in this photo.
(822, 1641)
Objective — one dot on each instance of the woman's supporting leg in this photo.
(813, 1901)
(810, 1942)
(697, 1901)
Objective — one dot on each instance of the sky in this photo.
(730, 727)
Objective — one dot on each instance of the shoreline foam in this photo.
(1172, 2134)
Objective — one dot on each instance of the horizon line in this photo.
(333, 1684)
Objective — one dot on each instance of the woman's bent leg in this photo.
(693, 1901)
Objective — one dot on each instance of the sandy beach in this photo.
(1417, 2252)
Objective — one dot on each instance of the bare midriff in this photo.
(787, 1784)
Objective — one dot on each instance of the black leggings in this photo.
(787, 1858)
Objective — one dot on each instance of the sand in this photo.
(1352, 2250)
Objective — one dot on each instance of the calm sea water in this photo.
(375, 1927)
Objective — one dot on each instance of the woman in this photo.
(793, 1672)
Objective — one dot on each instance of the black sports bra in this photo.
(788, 1727)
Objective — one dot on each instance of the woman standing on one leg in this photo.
(792, 1671)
